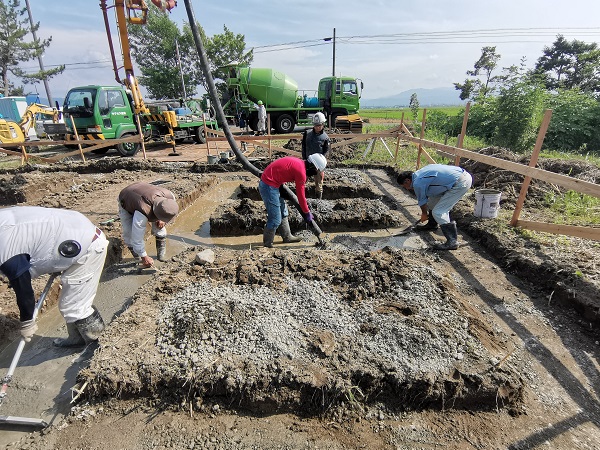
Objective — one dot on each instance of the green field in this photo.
(396, 113)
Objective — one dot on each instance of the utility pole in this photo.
(35, 39)
(180, 71)
(333, 71)
(327, 39)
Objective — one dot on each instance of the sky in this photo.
(392, 46)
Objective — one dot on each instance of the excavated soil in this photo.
(356, 345)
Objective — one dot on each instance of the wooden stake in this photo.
(534, 157)
(421, 137)
(398, 139)
(77, 137)
(137, 118)
(269, 133)
(463, 132)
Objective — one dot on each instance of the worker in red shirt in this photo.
(280, 171)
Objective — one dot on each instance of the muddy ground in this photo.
(372, 342)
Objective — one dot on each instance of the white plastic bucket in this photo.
(487, 203)
(212, 159)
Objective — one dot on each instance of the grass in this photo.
(396, 113)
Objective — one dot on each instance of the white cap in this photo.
(318, 160)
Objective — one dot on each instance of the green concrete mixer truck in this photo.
(286, 105)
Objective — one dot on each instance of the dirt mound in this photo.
(275, 332)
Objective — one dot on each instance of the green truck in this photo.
(286, 105)
(107, 112)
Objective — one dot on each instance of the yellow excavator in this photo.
(13, 132)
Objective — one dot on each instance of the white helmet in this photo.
(318, 160)
(319, 119)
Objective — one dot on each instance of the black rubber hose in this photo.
(212, 92)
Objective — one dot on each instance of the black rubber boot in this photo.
(161, 248)
(449, 230)
(73, 340)
(269, 237)
(429, 226)
(286, 233)
(90, 327)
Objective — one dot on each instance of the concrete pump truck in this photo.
(115, 112)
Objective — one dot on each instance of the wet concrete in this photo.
(49, 397)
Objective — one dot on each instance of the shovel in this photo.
(407, 230)
(13, 365)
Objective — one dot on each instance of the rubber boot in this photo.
(429, 226)
(269, 237)
(449, 230)
(73, 340)
(90, 327)
(161, 248)
(286, 233)
(134, 254)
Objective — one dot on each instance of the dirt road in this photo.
(434, 349)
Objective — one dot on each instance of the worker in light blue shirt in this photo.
(438, 188)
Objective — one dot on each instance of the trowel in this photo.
(14, 420)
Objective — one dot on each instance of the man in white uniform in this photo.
(36, 241)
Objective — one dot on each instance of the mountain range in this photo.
(444, 96)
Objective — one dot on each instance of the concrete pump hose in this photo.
(212, 91)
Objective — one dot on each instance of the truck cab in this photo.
(339, 96)
(99, 112)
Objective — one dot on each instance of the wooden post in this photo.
(269, 133)
(532, 163)
(206, 137)
(24, 156)
(463, 132)
(77, 137)
(421, 137)
(398, 138)
(137, 119)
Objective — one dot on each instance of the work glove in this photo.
(28, 329)
(308, 217)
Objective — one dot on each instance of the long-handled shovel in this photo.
(13, 365)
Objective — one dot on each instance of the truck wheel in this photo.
(199, 135)
(284, 124)
(128, 148)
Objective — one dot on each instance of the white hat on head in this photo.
(318, 160)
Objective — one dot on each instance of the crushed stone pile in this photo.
(276, 340)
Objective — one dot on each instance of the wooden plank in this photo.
(569, 230)
(581, 186)
(97, 145)
(12, 152)
(532, 162)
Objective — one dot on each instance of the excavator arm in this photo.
(134, 12)
(28, 118)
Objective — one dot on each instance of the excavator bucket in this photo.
(352, 123)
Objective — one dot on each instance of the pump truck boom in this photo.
(287, 106)
(113, 112)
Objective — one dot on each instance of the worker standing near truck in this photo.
(316, 142)
(262, 119)
(280, 171)
(36, 241)
(139, 204)
(438, 188)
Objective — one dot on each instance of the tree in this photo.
(14, 49)
(474, 88)
(569, 65)
(153, 48)
(414, 106)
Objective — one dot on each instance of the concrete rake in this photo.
(14, 420)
